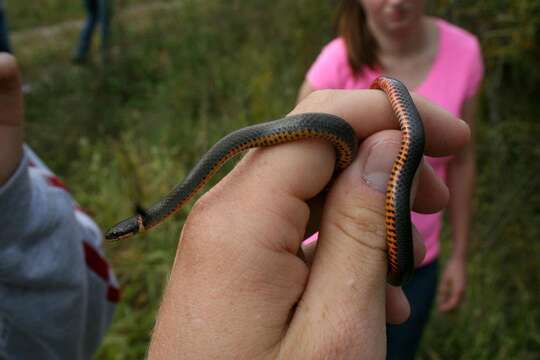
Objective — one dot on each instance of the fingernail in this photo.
(378, 164)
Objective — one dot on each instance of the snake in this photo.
(343, 138)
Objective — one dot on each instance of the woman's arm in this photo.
(461, 177)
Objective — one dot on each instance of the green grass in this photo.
(180, 78)
(50, 12)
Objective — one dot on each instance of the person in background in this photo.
(4, 32)
(443, 63)
(58, 292)
(97, 11)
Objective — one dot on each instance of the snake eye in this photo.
(123, 229)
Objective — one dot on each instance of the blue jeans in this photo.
(4, 35)
(97, 12)
(403, 339)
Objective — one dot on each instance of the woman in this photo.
(444, 64)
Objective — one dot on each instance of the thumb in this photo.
(10, 116)
(343, 306)
(10, 91)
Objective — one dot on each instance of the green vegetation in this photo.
(184, 74)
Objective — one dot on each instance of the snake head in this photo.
(125, 228)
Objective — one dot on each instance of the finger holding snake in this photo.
(241, 238)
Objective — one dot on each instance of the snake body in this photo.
(398, 191)
(305, 126)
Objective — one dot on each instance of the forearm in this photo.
(461, 179)
(38, 223)
(461, 174)
(44, 278)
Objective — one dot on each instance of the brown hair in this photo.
(352, 27)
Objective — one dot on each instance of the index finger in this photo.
(445, 134)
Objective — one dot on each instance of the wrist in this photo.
(459, 248)
(459, 256)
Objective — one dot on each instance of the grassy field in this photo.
(185, 73)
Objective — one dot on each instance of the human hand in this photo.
(11, 114)
(452, 284)
(238, 290)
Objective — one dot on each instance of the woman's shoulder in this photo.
(457, 37)
(336, 49)
(461, 56)
(330, 70)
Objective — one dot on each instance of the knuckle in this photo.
(361, 224)
(315, 100)
(340, 341)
